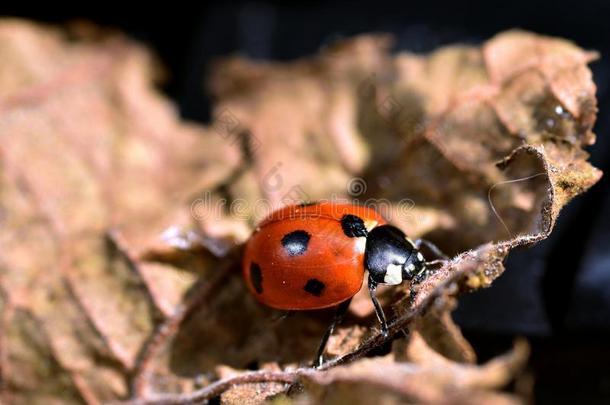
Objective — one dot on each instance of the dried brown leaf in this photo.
(89, 151)
(115, 295)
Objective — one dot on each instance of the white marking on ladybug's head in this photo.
(420, 257)
(361, 244)
(369, 224)
(393, 274)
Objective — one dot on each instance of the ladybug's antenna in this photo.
(493, 208)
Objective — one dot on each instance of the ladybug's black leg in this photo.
(435, 249)
(378, 309)
(421, 277)
(337, 319)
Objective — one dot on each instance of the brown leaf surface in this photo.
(118, 273)
(87, 144)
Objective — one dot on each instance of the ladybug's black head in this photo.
(390, 257)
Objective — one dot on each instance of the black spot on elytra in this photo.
(353, 226)
(314, 287)
(296, 242)
(256, 277)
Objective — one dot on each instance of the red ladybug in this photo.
(312, 256)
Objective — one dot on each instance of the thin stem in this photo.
(215, 389)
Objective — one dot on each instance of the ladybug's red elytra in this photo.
(312, 256)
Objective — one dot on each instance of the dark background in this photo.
(557, 294)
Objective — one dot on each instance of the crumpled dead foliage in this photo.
(102, 184)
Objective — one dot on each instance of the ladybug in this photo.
(313, 256)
